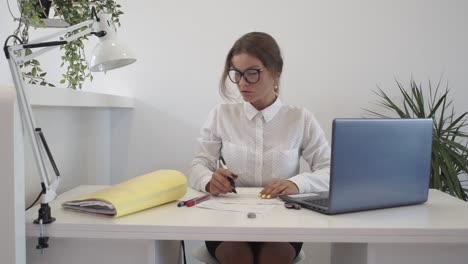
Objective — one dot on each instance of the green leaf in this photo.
(391, 105)
(419, 98)
(436, 107)
(441, 118)
(435, 179)
(408, 100)
(451, 175)
(454, 123)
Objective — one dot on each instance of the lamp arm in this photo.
(87, 23)
(17, 52)
(30, 127)
(16, 56)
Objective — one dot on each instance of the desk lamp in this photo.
(107, 55)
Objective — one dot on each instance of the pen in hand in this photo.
(223, 165)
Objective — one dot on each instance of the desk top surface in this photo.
(442, 219)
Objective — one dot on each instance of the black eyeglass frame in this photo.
(242, 75)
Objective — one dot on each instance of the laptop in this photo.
(375, 163)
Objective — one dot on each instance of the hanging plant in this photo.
(31, 13)
(73, 58)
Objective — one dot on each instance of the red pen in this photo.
(197, 200)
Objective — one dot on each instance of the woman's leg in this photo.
(234, 252)
(277, 252)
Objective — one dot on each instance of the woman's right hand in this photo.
(219, 183)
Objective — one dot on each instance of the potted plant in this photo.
(449, 144)
(73, 12)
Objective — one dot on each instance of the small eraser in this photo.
(251, 215)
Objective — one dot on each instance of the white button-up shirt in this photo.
(260, 146)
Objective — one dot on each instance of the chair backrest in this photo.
(202, 254)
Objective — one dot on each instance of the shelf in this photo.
(49, 96)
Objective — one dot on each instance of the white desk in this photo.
(438, 226)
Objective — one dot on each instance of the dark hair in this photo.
(260, 45)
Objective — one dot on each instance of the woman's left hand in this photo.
(279, 187)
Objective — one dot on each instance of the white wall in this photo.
(336, 53)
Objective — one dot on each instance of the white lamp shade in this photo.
(109, 54)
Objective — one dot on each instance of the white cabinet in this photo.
(78, 128)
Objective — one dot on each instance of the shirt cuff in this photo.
(308, 182)
(204, 181)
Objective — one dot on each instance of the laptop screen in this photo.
(379, 163)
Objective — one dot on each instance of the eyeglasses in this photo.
(251, 75)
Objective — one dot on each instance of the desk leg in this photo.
(348, 253)
(387, 253)
(165, 251)
(401, 253)
(12, 229)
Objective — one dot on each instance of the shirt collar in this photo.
(268, 113)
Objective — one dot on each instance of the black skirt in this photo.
(212, 245)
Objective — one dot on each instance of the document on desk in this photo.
(246, 200)
(134, 195)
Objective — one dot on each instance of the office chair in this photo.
(201, 254)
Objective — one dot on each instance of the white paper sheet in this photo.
(246, 200)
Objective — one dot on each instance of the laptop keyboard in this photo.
(321, 202)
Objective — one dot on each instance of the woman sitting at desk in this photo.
(261, 141)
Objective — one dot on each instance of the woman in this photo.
(261, 141)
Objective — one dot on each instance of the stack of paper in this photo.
(134, 195)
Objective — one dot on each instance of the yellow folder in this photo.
(139, 193)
